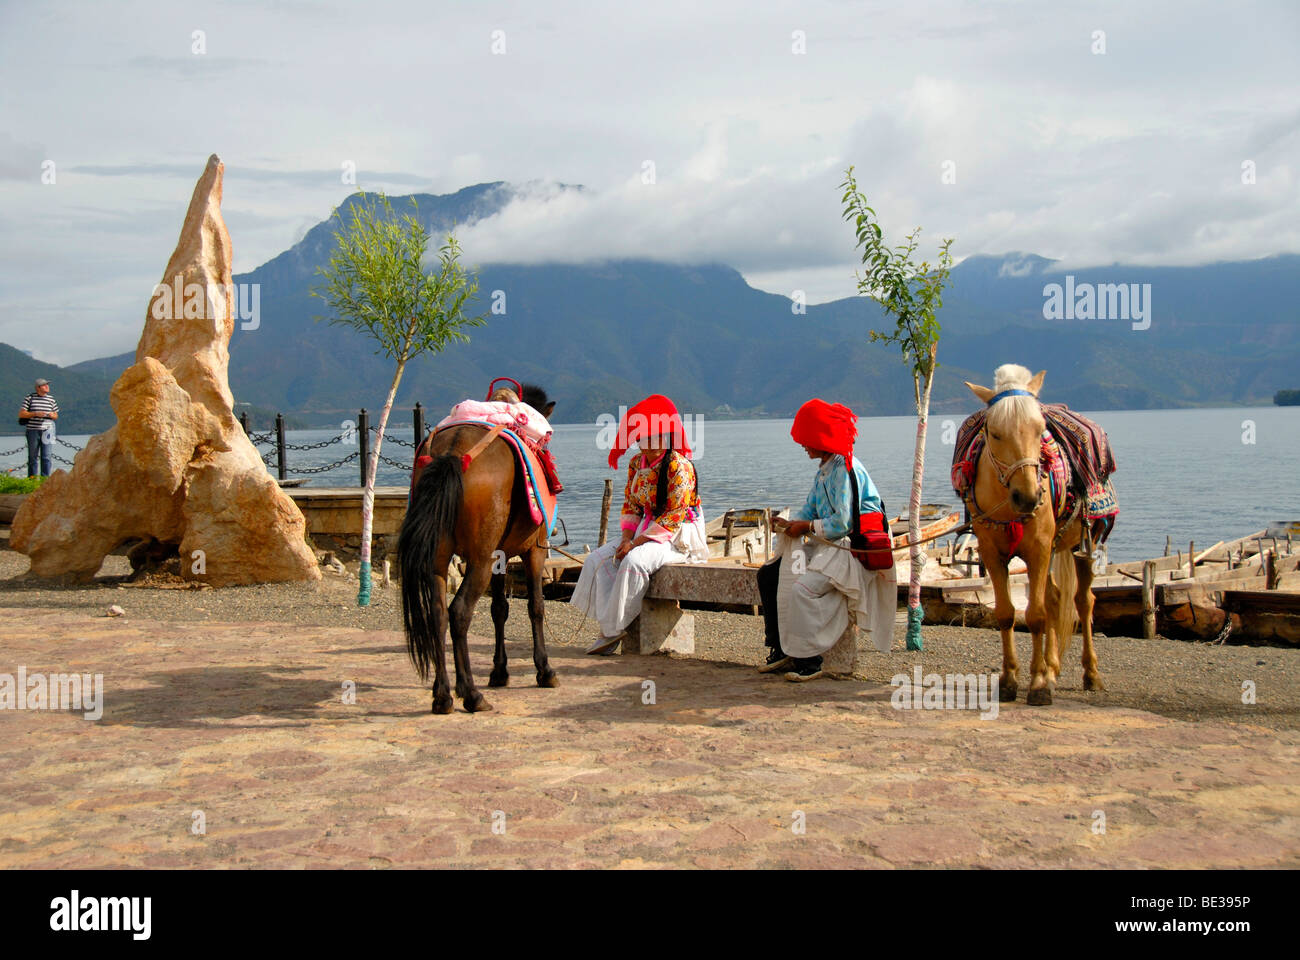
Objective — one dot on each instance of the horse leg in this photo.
(1083, 601)
(1008, 682)
(500, 611)
(534, 562)
(1040, 689)
(462, 611)
(442, 702)
(1052, 601)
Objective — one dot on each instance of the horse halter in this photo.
(1006, 471)
(519, 391)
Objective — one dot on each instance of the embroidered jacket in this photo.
(828, 502)
(682, 503)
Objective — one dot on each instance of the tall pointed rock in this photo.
(177, 467)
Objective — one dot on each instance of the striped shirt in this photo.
(35, 402)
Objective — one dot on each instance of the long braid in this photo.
(661, 489)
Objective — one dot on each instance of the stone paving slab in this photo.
(246, 724)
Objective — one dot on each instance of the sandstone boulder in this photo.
(177, 467)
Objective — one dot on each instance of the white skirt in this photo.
(813, 605)
(611, 591)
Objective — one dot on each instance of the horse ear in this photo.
(984, 393)
(549, 407)
(1036, 384)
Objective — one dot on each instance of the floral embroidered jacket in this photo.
(682, 504)
(828, 501)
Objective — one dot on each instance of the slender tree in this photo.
(910, 292)
(376, 283)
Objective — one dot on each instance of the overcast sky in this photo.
(1133, 155)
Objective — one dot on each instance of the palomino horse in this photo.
(481, 516)
(1010, 494)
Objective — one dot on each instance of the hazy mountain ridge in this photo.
(597, 335)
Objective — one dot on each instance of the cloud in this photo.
(19, 160)
(186, 171)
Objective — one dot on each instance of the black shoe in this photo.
(806, 669)
(776, 660)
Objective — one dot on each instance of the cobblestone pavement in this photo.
(245, 724)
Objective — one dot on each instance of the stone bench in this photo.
(664, 626)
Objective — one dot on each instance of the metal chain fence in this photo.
(270, 457)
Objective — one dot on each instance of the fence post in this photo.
(243, 422)
(279, 444)
(1149, 600)
(605, 501)
(363, 430)
(419, 425)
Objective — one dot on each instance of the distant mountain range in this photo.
(597, 335)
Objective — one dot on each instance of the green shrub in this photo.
(11, 485)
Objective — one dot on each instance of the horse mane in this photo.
(534, 396)
(1005, 415)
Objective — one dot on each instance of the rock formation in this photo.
(177, 467)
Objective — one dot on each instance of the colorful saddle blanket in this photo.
(1076, 452)
(541, 502)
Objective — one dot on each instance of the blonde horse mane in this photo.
(1009, 412)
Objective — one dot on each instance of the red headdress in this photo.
(653, 416)
(825, 426)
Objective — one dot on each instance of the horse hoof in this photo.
(1093, 683)
(548, 679)
(1039, 698)
(1007, 692)
(443, 705)
(477, 704)
(501, 679)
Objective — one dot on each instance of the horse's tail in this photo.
(435, 506)
(1066, 581)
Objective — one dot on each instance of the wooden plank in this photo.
(1263, 601)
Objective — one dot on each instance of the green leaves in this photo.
(909, 291)
(376, 282)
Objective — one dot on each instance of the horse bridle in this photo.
(1004, 474)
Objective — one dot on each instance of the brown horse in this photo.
(1006, 493)
(481, 516)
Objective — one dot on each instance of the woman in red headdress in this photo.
(810, 587)
(661, 520)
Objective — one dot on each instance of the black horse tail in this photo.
(435, 506)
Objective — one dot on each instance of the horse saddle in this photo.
(540, 496)
(1076, 452)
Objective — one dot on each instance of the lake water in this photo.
(1202, 475)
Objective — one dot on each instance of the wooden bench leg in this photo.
(662, 625)
(843, 657)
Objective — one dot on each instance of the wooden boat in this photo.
(1235, 588)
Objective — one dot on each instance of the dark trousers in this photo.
(768, 576)
(37, 446)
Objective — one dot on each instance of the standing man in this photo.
(38, 413)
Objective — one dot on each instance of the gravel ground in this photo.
(1187, 681)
